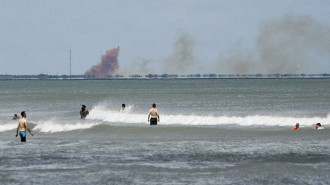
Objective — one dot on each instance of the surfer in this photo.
(122, 107)
(15, 117)
(83, 112)
(153, 115)
(296, 127)
(319, 126)
(23, 127)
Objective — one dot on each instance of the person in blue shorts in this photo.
(23, 127)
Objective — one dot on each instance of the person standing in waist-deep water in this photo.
(122, 107)
(23, 127)
(83, 112)
(153, 115)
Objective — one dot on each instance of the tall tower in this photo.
(70, 63)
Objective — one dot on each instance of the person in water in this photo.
(83, 112)
(122, 107)
(318, 126)
(15, 117)
(153, 115)
(23, 127)
(296, 127)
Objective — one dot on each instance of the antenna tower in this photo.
(70, 63)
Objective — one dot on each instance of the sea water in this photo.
(211, 131)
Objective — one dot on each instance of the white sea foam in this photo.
(101, 113)
(51, 126)
(8, 126)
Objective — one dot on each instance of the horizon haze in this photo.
(181, 37)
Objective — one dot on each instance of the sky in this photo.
(165, 36)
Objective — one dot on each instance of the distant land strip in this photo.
(162, 76)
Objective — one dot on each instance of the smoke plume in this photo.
(182, 60)
(108, 65)
(289, 45)
(139, 67)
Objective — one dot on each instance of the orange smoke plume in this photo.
(108, 65)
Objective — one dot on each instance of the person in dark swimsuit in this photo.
(153, 115)
(83, 112)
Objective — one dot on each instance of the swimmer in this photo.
(83, 112)
(153, 113)
(319, 126)
(296, 127)
(23, 127)
(122, 107)
(15, 117)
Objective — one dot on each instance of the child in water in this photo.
(296, 127)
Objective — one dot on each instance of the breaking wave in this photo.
(8, 126)
(51, 126)
(100, 115)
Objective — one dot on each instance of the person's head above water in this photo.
(83, 107)
(23, 114)
(154, 105)
(297, 124)
(123, 105)
(318, 124)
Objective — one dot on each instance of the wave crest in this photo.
(51, 127)
(100, 115)
(8, 126)
(107, 115)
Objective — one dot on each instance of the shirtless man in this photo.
(23, 127)
(153, 113)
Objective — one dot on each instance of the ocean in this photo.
(211, 131)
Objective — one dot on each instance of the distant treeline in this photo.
(136, 76)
